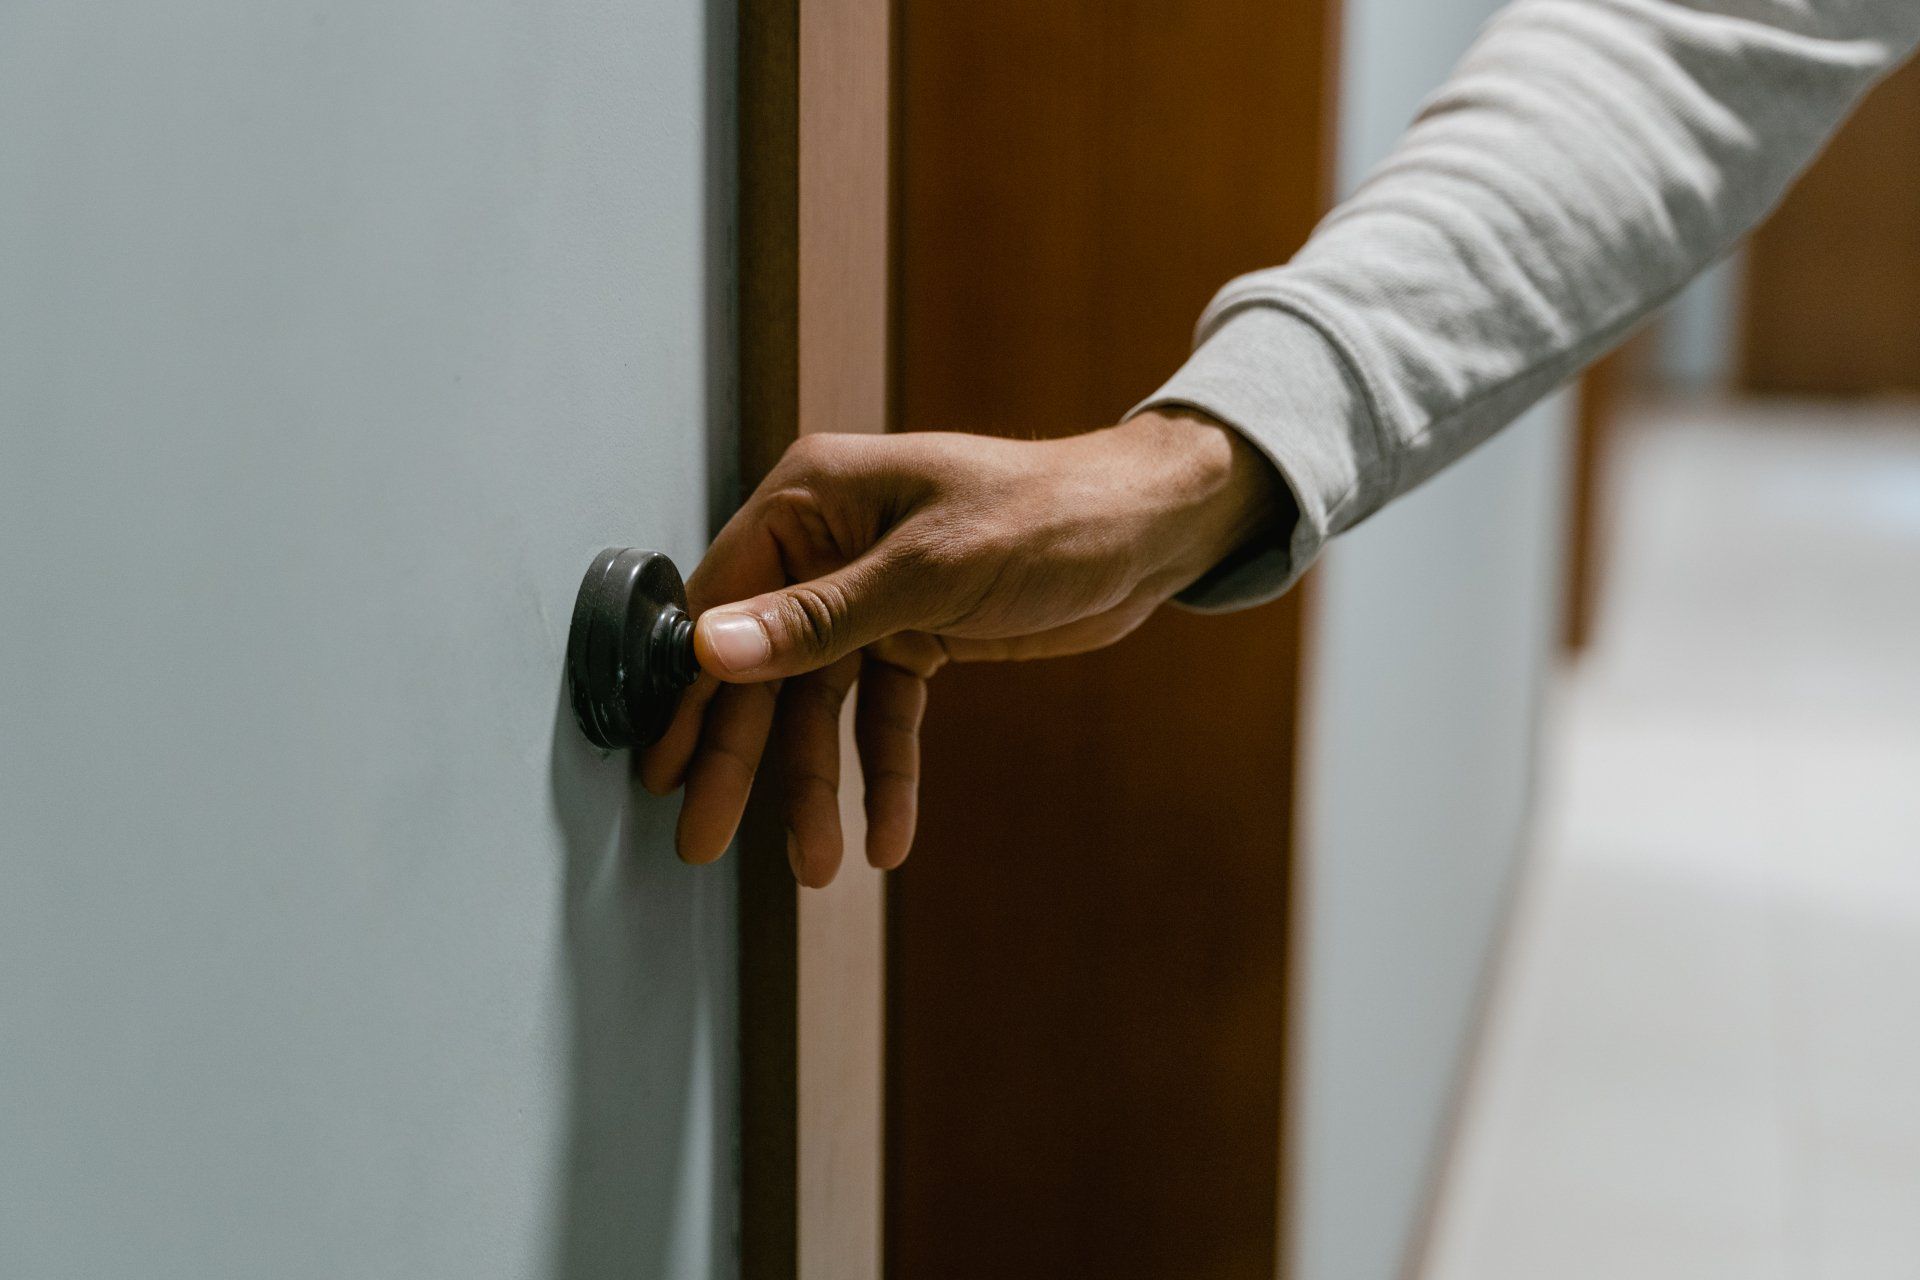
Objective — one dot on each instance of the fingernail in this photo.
(737, 641)
(793, 854)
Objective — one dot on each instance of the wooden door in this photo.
(1832, 291)
(1087, 978)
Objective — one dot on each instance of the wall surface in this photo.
(1696, 344)
(1433, 632)
(334, 340)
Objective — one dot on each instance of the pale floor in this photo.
(1704, 1056)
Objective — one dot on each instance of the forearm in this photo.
(1586, 160)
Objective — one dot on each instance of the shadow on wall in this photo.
(645, 1190)
(638, 1187)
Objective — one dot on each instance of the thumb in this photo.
(805, 626)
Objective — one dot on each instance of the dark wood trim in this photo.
(814, 86)
(769, 293)
(1597, 406)
(769, 236)
(769, 1055)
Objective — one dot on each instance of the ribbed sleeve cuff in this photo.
(1278, 381)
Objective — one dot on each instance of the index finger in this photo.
(743, 561)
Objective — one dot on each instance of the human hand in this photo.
(877, 558)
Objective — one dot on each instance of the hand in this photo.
(877, 558)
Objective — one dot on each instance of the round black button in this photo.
(630, 652)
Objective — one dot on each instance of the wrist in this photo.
(1215, 492)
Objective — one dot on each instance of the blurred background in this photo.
(1703, 1051)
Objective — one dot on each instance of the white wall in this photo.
(1696, 343)
(1434, 627)
(334, 340)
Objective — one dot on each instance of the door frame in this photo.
(814, 79)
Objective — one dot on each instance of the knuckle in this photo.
(917, 654)
(810, 617)
(894, 724)
(799, 454)
(805, 777)
(816, 452)
(791, 511)
(892, 775)
(817, 698)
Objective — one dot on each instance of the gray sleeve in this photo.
(1585, 160)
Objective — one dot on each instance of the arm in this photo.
(1586, 160)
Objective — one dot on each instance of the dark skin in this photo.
(875, 560)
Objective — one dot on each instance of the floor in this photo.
(1704, 1053)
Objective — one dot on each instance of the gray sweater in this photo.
(1586, 159)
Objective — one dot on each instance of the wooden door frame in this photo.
(1597, 409)
(813, 182)
(815, 81)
